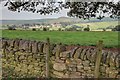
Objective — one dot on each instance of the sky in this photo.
(5, 14)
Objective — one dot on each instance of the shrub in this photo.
(44, 29)
(104, 29)
(59, 29)
(11, 28)
(33, 29)
(117, 28)
(87, 29)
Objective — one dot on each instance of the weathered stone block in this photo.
(87, 68)
(68, 61)
(36, 64)
(107, 70)
(92, 64)
(79, 61)
(102, 69)
(62, 48)
(90, 72)
(79, 67)
(57, 52)
(64, 54)
(93, 68)
(118, 76)
(16, 44)
(45, 48)
(90, 75)
(4, 44)
(40, 47)
(26, 45)
(117, 61)
(11, 42)
(93, 57)
(75, 75)
(59, 61)
(84, 75)
(104, 56)
(89, 53)
(60, 74)
(35, 47)
(21, 44)
(108, 58)
(112, 74)
(80, 53)
(77, 53)
(86, 63)
(112, 60)
(72, 68)
(59, 66)
(0, 43)
(6, 51)
(83, 54)
(30, 67)
(73, 51)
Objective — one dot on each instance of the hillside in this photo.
(54, 20)
(99, 25)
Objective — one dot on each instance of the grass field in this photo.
(83, 38)
(96, 25)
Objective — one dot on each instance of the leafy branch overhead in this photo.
(85, 10)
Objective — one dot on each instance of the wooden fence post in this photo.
(48, 58)
(98, 58)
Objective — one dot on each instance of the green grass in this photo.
(83, 38)
(96, 25)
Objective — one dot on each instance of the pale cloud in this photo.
(9, 15)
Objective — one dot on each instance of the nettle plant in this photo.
(85, 10)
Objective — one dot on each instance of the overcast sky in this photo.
(5, 14)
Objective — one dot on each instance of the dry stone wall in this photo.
(25, 58)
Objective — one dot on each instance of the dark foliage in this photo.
(44, 29)
(71, 29)
(117, 28)
(87, 29)
(104, 29)
(85, 10)
(11, 28)
(33, 29)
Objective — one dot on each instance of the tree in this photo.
(104, 29)
(85, 10)
(59, 29)
(117, 28)
(11, 28)
(87, 29)
(33, 29)
(44, 29)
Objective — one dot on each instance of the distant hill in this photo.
(55, 20)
